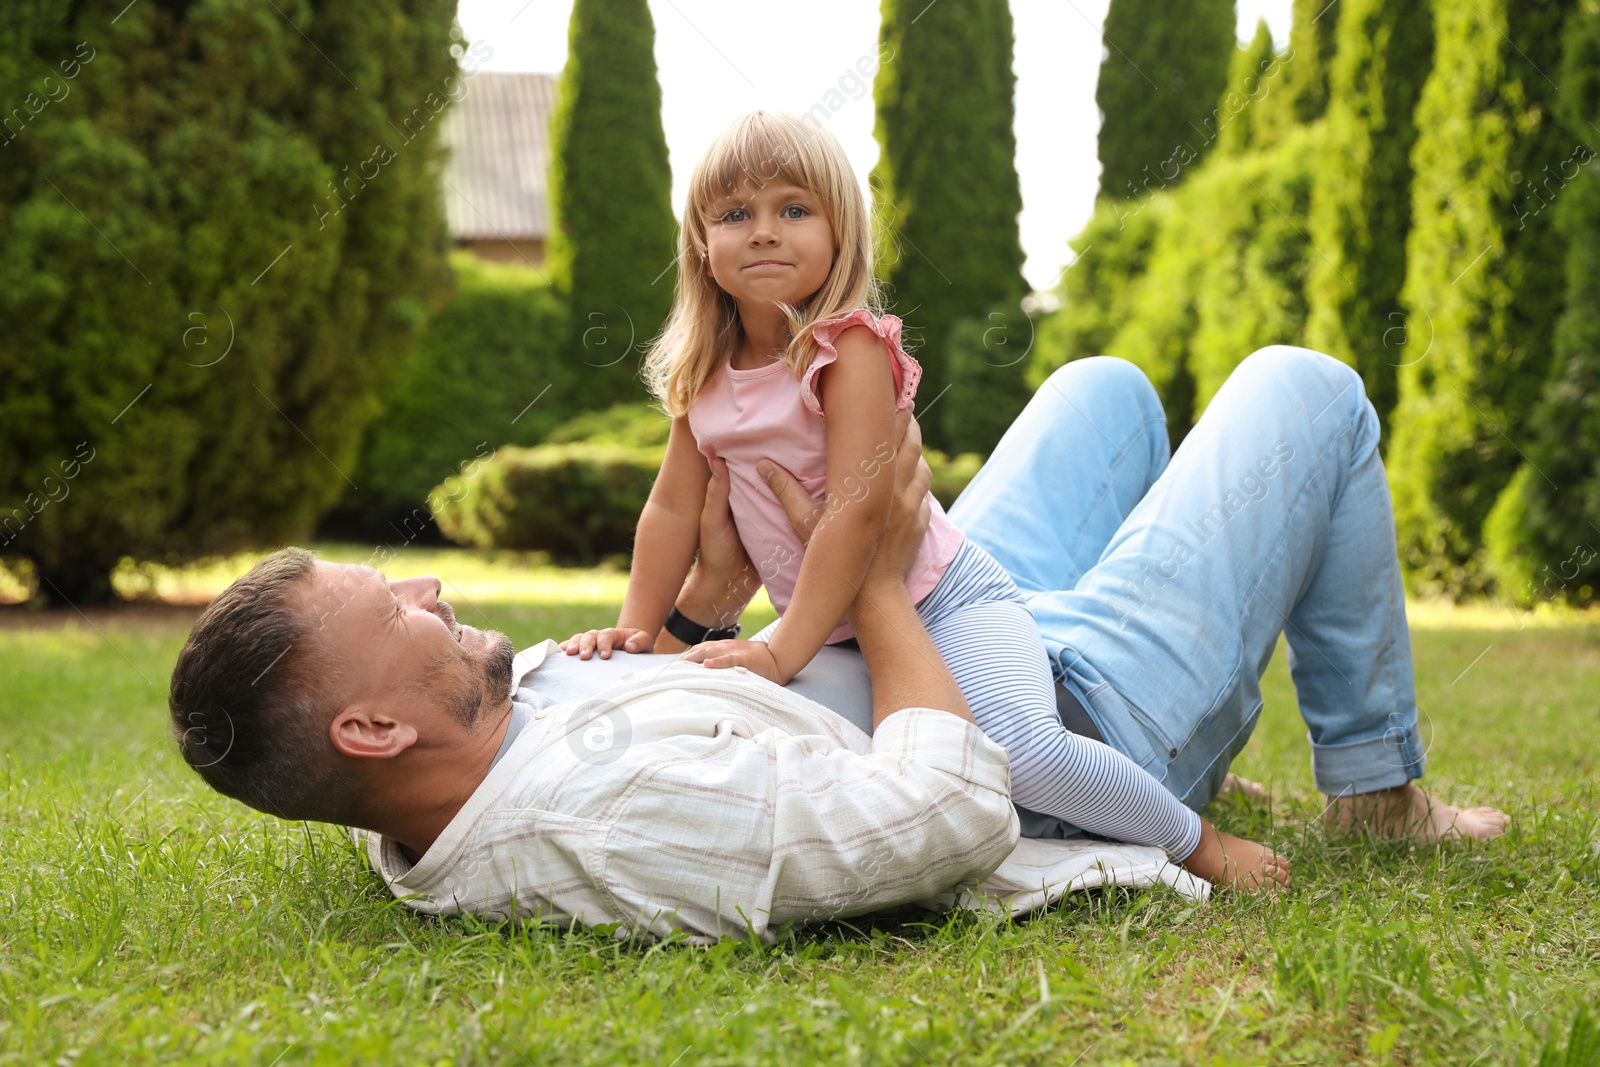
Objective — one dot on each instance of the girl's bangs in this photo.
(757, 154)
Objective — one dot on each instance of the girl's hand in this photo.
(752, 655)
(615, 637)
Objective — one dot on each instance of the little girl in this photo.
(772, 351)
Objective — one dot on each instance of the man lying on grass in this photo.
(312, 690)
(732, 804)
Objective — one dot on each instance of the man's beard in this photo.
(491, 669)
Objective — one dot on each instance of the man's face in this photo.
(769, 242)
(398, 646)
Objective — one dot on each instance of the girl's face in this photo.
(768, 243)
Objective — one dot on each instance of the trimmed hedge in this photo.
(579, 500)
(633, 425)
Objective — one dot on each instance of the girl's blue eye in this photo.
(791, 207)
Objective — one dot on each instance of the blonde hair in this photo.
(703, 328)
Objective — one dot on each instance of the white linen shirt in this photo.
(713, 802)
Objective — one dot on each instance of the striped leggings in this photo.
(979, 620)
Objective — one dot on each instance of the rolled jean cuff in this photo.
(1368, 766)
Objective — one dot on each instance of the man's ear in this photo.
(362, 733)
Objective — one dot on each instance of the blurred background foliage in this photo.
(1410, 191)
(201, 183)
(1402, 186)
(489, 370)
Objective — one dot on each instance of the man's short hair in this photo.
(246, 713)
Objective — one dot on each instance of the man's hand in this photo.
(804, 512)
(585, 645)
(909, 512)
(722, 556)
(752, 655)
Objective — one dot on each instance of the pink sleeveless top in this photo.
(745, 416)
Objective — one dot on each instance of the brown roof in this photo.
(498, 140)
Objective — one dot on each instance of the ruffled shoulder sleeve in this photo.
(907, 371)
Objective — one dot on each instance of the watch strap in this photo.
(690, 632)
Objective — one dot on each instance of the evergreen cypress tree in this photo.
(1112, 252)
(1541, 536)
(1186, 282)
(988, 368)
(945, 186)
(1361, 202)
(1484, 282)
(1165, 66)
(216, 238)
(613, 239)
(1243, 122)
(1251, 255)
(1157, 330)
(1226, 273)
(1313, 43)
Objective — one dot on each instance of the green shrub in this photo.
(1252, 259)
(951, 474)
(578, 496)
(1158, 86)
(1313, 43)
(578, 502)
(1269, 94)
(633, 425)
(1152, 316)
(1197, 278)
(1254, 76)
(213, 250)
(1111, 254)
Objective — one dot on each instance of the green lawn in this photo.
(146, 920)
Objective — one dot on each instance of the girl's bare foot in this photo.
(1234, 863)
(1406, 811)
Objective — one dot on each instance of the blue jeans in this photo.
(1161, 587)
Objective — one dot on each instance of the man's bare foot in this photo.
(1243, 786)
(1233, 863)
(1406, 811)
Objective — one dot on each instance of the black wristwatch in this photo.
(690, 632)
